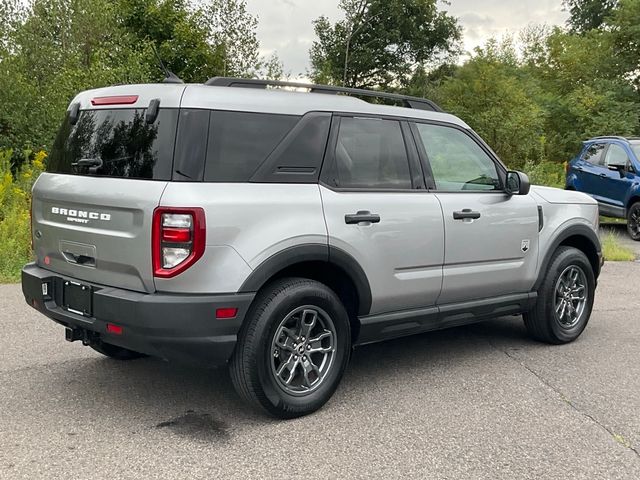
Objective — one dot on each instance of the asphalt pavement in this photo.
(481, 401)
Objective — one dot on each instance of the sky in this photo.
(285, 25)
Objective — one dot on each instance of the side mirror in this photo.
(517, 183)
(617, 167)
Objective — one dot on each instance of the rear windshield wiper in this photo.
(88, 162)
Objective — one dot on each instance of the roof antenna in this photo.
(170, 77)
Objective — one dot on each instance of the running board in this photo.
(376, 328)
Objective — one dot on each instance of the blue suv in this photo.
(608, 169)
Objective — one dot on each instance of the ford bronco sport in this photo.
(274, 230)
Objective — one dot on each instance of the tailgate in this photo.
(96, 229)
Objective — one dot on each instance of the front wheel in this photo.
(293, 349)
(633, 221)
(565, 298)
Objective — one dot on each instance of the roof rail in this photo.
(407, 101)
(610, 137)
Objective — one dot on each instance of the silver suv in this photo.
(274, 230)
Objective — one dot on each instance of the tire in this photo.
(273, 336)
(117, 353)
(544, 322)
(633, 221)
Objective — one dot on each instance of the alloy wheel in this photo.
(303, 350)
(570, 296)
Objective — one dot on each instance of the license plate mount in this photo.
(77, 298)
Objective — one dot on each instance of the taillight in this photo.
(178, 239)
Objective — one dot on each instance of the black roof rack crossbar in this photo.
(407, 101)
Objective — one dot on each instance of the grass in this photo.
(606, 220)
(614, 251)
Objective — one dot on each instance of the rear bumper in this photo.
(174, 327)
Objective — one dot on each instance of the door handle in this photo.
(603, 175)
(466, 213)
(361, 217)
(580, 169)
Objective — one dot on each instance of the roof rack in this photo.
(612, 137)
(407, 101)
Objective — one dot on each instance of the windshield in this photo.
(116, 143)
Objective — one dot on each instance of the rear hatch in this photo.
(93, 209)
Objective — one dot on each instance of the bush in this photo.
(549, 174)
(15, 203)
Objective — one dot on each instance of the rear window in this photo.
(240, 141)
(635, 146)
(116, 143)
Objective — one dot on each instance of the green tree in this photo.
(624, 24)
(495, 99)
(179, 34)
(232, 28)
(586, 15)
(381, 43)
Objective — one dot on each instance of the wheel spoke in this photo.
(292, 372)
(308, 320)
(316, 343)
(289, 364)
(309, 367)
(287, 344)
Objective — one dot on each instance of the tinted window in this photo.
(636, 149)
(191, 145)
(616, 155)
(457, 161)
(239, 142)
(116, 143)
(370, 153)
(593, 154)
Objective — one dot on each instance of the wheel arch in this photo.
(325, 263)
(578, 236)
(633, 198)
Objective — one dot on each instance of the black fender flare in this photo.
(307, 253)
(570, 231)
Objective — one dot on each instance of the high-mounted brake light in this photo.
(115, 100)
(178, 239)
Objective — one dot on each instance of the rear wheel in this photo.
(118, 353)
(565, 298)
(633, 221)
(293, 349)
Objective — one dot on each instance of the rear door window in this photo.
(371, 153)
(116, 143)
(594, 154)
(240, 141)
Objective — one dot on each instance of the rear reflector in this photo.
(115, 100)
(115, 329)
(226, 313)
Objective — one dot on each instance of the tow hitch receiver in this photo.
(74, 334)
